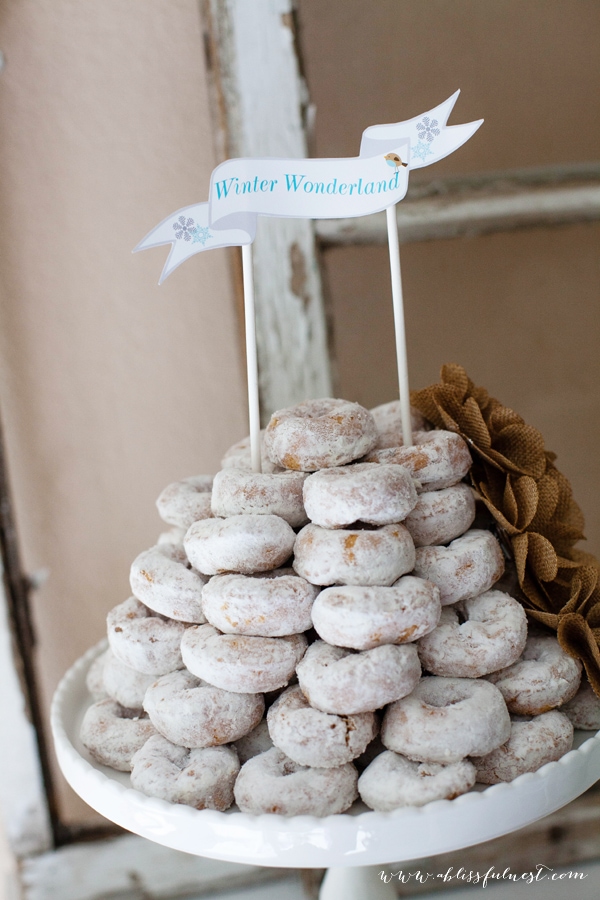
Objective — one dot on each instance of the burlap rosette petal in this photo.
(532, 503)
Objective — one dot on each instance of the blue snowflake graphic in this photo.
(428, 129)
(201, 235)
(421, 151)
(184, 228)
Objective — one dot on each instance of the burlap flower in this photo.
(532, 503)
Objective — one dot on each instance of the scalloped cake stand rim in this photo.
(358, 839)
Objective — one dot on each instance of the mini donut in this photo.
(467, 567)
(185, 501)
(244, 543)
(238, 662)
(94, 680)
(112, 734)
(440, 516)
(256, 741)
(191, 713)
(163, 580)
(584, 709)
(363, 556)
(336, 680)
(269, 605)
(314, 738)
(144, 641)
(393, 781)
(317, 434)
(124, 684)
(545, 677)
(377, 495)
(388, 421)
(273, 783)
(491, 636)
(202, 778)
(446, 719)
(365, 617)
(532, 743)
(239, 492)
(239, 456)
(437, 459)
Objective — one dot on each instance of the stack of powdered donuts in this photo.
(332, 627)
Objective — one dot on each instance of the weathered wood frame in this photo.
(245, 43)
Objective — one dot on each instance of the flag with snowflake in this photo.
(243, 189)
(188, 231)
(430, 138)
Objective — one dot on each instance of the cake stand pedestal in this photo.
(341, 844)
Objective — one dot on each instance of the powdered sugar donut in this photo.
(393, 781)
(336, 680)
(378, 495)
(162, 579)
(365, 617)
(491, 636)
(314, 738)
(202, 778)
(94, 680)
(584, 709)
(192, 713)
(440, 516)
(317, 434)
(124, 684)
(388, 421)
(243, 543)
(256, 741)
(273, 783)
(269, 605)
(446, 719)
(237, 492)
(532, 743)
(142, 640)
(241, 663)
(112, 734)
(545, 677)
(353, 555)
(467, 567)
(437, 459)
(239, 456)
(185, 501)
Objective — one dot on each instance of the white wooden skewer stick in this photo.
(398, 304)
(251, 357)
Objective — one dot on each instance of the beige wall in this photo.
(110, 387)
(530, 69)
(520, 311)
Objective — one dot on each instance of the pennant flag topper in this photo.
(243, 189)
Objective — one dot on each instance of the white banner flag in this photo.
(429, 137)
(189, 232)
(242, 189)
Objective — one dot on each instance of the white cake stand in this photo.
(360, 838)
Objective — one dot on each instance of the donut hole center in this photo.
(362, 526)
(440, 704)
(461, 616)
(124, 713)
